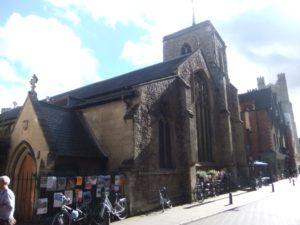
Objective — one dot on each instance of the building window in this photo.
(221, 61)
(203, 121)
(186, 49)
(165, 153)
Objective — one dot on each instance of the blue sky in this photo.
(71, 43)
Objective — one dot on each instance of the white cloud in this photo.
(7, 72)
(158, 18)
(50, 50)
(72, 16)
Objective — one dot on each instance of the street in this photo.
(263, 206)
(281, 208)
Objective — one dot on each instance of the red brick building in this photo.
(267, 133)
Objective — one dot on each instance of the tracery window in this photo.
(203, 121)
(165, 153)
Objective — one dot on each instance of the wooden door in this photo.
(25, 191)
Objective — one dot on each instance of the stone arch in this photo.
(23, 169)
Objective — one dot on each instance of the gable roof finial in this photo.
(33, 82)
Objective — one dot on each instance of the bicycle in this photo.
(102, 212)
(198, 193)
(68, 215)
(164, 199)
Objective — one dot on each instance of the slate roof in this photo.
(124, 81)
(263, 98)
(11, 114)
(63, 128)
(65, 133)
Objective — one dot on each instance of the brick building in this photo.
(268, 129)
(158, 125)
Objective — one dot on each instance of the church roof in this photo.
(124, 81)
(64, 129)
(10, 114)
(65, 132)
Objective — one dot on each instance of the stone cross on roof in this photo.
(33, 82)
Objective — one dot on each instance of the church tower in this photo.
(202, 35)
(226, 129)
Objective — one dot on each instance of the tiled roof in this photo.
(63, 128)
(146, 74)
(65, 132)
(263, 98)
(10, 114)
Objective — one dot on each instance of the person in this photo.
(7, 202)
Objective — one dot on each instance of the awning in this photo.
(259, 163)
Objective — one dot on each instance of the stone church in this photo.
(158, 125)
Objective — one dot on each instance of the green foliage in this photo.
(213, 173)
(202, 173)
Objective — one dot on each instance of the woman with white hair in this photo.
(7, 202)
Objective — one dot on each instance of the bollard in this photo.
(273, 187)
(230, 198)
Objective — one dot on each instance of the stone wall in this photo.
(158, 99)
(112, 132)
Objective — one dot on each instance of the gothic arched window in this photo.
(203, 121)
(185, 49)
(165, 153)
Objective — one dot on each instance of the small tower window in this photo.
(186, 49)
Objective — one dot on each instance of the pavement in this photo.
(184, 214)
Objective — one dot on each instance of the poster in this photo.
(117, 180)
(78, 195)
(116, 188)
(87, 183)
(43, 183)
(61, 183)
(93, 179)
(107, 181)
(79, 181)
(87, 197)
(57, 199)
(42, 204)
(51, 183)
(69, 195)
(100, 181)
(71, 182)
(98, 191)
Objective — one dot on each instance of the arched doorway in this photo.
(25, 188)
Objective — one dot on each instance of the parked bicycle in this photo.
(165, 201)
(102, 212)
(198, 193)
(220, 187)
(69, 215)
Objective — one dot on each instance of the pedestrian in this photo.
(7, 202)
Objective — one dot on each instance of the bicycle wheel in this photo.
(61, 218)
(84, 215)
(100, 215)
(121, 208)
(198, 196)
(168, 203)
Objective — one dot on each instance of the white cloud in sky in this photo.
(72, 16)
(47, 48)
(249, 56)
